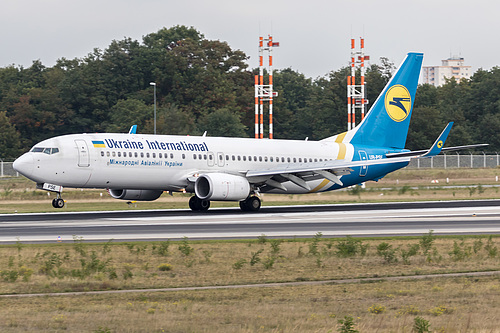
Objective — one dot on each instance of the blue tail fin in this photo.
(387, 122)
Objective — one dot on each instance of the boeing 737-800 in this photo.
(141, 167)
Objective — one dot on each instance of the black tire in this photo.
(194, 204)
(54, 203)
(204, 205)
(59, 203)
(243, 206)
(253, 204)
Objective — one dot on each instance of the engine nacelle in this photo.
(139, 195)
(221, 186)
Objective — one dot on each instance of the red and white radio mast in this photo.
(356, 92)
(264, 92)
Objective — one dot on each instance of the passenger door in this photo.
(83, 153)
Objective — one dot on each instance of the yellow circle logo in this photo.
(440, 144)
(398, 102)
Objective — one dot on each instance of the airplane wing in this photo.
(332, 170)
(299, 173)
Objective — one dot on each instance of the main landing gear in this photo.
(198, 205)
(251, 204)
(58, 202)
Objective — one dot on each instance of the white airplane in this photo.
(141, 166)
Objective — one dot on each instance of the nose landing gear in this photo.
(58, 202)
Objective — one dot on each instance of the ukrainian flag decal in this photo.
(98, 144)
(398, 102)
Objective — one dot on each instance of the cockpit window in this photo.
(48, 151)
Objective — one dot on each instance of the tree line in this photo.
(205, 85)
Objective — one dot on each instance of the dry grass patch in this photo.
(83, 267)
(464, 304)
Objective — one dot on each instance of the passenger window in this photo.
(171, 155)
(300, 159)
(204, 157)
(239, 158)
(119, 154)
(283, 160)
(294, 160)
(135, 154)
(227, 157)
(232, 157)
(271, 158)
(114, 154)
(129, 154)
(310, 159)
(255, 158)
(102, 153)
(194, 156)
(147, 155)
(288, 159)
(315, 160)
(265, 158)
(142, 155)
(244, 158)
(210, 157)
(260, 158)
(154, 155)
(107, 153)
(183, 156)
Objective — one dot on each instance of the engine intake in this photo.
(139, 195)
(221, 187)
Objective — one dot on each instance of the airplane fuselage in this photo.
(161, 162)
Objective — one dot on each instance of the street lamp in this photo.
(154, 85)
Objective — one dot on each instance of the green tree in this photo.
(9, 138)
(222, 122)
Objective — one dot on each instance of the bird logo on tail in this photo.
(398, 102)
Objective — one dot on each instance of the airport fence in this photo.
(6, 169)
(446, 161)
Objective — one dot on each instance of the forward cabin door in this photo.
(83, 153)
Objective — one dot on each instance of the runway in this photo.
(416, 218)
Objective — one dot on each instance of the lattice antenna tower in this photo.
(356, 93)
(264, 92)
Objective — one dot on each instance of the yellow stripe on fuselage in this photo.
(342, 146)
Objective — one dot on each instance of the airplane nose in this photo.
(24, 165)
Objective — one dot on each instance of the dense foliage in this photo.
(204, 85)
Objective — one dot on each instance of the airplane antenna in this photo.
(204, 133)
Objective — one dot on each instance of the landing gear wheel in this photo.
(58, 203)
(251, 204)
(198, 205)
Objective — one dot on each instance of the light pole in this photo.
(154, 85)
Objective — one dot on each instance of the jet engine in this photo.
(139, 195)
(221, 186)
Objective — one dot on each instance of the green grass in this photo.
(450, 304)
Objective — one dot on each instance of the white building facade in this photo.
(452, 67)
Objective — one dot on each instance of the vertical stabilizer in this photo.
(387, 122)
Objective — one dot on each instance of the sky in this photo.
(314, 35)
